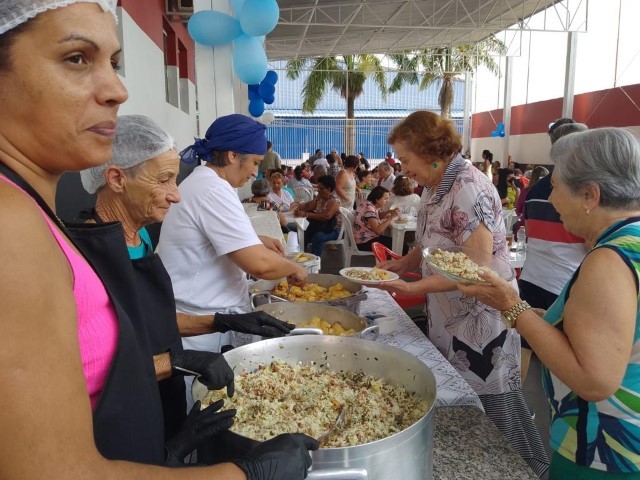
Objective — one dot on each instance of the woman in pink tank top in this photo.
(74, 382)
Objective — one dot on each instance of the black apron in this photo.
(155, 318)
(127, 421)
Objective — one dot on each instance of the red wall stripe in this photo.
(148, 15)
(551, 232)
(615, 107)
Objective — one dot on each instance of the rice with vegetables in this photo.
(283, 398)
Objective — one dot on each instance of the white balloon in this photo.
(267, 118)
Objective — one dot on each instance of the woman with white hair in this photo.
(79, 395)
(588, 340)
(136, 187)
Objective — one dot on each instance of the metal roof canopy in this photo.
(319, 28)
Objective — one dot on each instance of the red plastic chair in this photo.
(382, 254)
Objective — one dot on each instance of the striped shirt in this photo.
(550, 247)
(601, 435)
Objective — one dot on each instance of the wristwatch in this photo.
(510, 316)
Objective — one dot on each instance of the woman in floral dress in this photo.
(460, 206)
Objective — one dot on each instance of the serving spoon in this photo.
(338, 424)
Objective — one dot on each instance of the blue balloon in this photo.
(269, 99)
(249, 59)
(259, 17)
(256, 107)
(266, 89)
(237, 7)
(253, 95)
(495, 133)
(212, 28)
(271, 77)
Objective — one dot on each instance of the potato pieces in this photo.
(327, 328)
(311, 292)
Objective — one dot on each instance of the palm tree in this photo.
(346, 74)
(445, 64)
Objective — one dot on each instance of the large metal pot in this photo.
(261, 291)
(301, 313)
(407, 454)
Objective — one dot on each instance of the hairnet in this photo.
(14, 13)
(236, 133)
(138, 139)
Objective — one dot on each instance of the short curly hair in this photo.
(402, 186)
(428, 135)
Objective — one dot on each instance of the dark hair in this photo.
(402, 186)
(351, 162)
(269, 144)
(362, 174)
(7, 40)
(503, 173)
(376, 194)
(488, 154)
(328, 181)
(559, 122)
(566, 129)
(260, 187)
(343, 156)
(297, 172)
(330, 158)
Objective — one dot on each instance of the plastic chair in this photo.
(382, 254)
(350, 248)
(303, 194)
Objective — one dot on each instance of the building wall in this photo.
(529, 143)
(141, 28)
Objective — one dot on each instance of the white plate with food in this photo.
(462, 265)
(368, 275)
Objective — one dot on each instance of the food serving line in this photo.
(466, 444)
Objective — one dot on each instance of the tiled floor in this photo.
(331, 262)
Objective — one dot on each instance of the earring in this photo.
(435, 165)
(587, 210)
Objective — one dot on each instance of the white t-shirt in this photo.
(196, 236)
(321, 161)
(388, 182)
(284, 198)
(406, 201)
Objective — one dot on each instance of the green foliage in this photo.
(346, 74)
(425, 67)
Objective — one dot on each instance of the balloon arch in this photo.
(256, 18)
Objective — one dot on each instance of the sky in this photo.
(608, 53)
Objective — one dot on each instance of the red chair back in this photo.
(383, 254)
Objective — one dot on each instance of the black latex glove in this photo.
(213, 370)
(285, 457)
(255, 323)
(200, 425)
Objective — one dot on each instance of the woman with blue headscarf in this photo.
(207, 242)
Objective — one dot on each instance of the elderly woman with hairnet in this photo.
(207, 242)
(136, 188)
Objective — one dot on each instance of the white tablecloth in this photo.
(452, 390)
(397, 234)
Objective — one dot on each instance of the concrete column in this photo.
(466, 119)
(570, 74)
(215, 79)
(506, 113)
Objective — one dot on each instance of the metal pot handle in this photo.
(306, 331)
(373, 331)
(263, 293)
(339, 474)
(345, 302)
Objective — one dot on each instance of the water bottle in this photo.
(521, 240)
